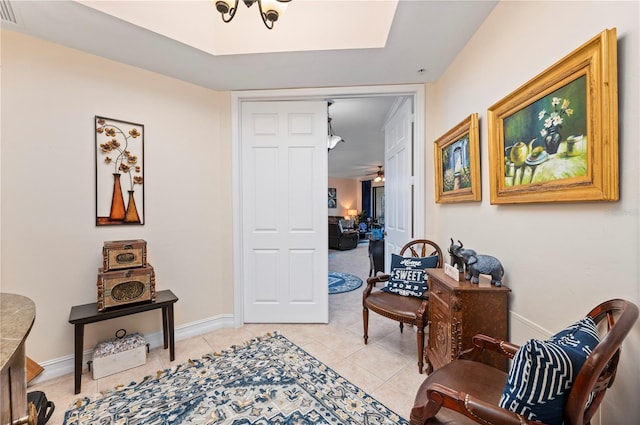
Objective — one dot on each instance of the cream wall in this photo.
(560, 260)
(51, 248)
(346, 195)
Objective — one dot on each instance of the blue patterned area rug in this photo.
(343, 282)
(270, 380)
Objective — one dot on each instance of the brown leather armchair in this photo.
(466, 391)
(341, 238)
(410, 310)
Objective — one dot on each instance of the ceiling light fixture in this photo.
(270, 10)
(332, 139)
(380, 177)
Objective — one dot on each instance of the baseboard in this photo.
(65, 365)
(523, 329)
(520, 326)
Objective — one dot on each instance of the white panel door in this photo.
(398, 139)
(284, 212)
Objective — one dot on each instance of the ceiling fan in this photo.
(379, 175)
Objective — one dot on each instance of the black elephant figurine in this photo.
(456, 260)
(476, 264)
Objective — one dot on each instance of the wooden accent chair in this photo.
(410, 310)
(466, 391)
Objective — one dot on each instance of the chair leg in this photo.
(370, 265)
(365, 323)
(420, 343)
(401, 327)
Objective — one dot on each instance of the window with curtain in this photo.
(366, 197)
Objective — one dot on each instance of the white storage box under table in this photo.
(118, 354)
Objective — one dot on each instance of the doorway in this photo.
(378, 204)
(414, 91)
(284, 158)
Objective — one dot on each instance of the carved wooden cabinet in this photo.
(457, 311)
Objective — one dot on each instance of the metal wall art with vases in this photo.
(457, 163)
(119, 172)
(555, 139)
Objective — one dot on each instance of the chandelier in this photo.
(270, 10)
(332, 139)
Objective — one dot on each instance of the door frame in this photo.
(415, 91)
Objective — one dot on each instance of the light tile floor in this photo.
(386, 368)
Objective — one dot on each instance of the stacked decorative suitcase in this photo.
(125, 276)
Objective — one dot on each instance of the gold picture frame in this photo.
(457, 163)
(555, 139)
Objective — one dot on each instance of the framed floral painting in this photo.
(119, 172)
(555, 139)
(457, 163)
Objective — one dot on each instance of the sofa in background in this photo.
(340, 237)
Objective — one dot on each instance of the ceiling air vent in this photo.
(6, 12)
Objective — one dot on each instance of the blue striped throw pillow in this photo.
(542, 372)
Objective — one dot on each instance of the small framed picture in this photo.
(333, 201)
(457, 163)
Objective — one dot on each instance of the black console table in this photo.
(88, 313)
